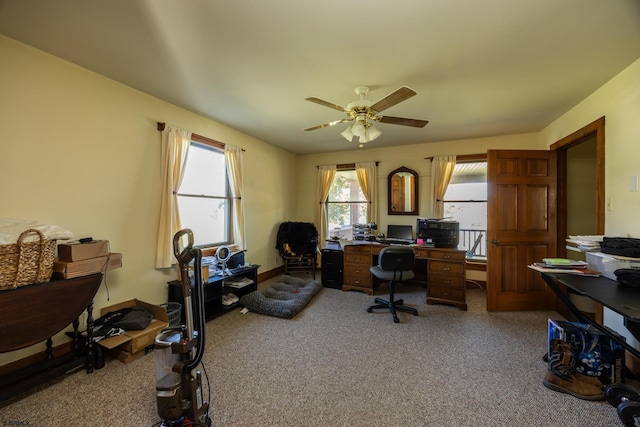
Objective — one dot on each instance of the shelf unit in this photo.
(216, 287)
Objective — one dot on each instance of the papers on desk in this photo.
(563, 263)
(543, 268)
(584, 243)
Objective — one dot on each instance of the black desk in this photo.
(620, 299)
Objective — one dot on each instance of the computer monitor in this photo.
(404, 232)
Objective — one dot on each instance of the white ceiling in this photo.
(481, 68)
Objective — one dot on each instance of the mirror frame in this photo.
(414, 195)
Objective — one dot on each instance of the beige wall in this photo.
(411, 156)
(81, 151)
(619, 102)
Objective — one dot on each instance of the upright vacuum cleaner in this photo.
(179, 350)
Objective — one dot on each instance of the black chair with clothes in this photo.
(297, 243)
(395, 264)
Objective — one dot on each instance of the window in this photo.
(346, 205)
(466, 201)
(204, 197)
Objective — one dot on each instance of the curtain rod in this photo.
(196, 137)
(465, 157)
(345, 165)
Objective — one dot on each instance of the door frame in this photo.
(595, 128)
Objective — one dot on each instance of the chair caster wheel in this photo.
(368, 310)
(629, 413)
(618, 393)
(396, 320)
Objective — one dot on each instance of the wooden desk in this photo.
(34, 313)
(441, 271)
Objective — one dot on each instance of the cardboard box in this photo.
(606, 264)
(115, 261)
(69, 252)
(134, 342)
(596, 354)
(125, 356)
(69, 270)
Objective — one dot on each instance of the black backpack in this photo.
(628, 277)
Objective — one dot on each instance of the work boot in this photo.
(561, 375)
(590, 380)
(561, 345)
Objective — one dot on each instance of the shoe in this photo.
(561, 375)
(226, 300)
(234, 299)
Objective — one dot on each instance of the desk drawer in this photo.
(446, 281)
(422, 253)
(445, 293)
(357, 258)
(365, 248)
(453, 255)
(446, 267)
(357, 278)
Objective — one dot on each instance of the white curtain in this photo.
(175, 149)
(441, 171)
(233, 158)
(326, 174)
(366, 173)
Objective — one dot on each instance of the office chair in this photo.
(395, 264)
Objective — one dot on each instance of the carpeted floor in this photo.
(334, 364)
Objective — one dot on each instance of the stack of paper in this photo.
(237, 282)
(564, 265)
(584, 243)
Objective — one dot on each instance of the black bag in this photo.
(628, 277)
(621, 246)
(129, 319)
(135, 320)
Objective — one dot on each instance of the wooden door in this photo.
(521, 229)
(397, 193)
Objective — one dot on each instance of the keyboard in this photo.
(396, 241)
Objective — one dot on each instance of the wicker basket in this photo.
(24, 263)
(174, 311)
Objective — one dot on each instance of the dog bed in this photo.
(284, 299)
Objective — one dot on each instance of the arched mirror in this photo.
(403, 192)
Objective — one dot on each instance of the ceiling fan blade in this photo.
(326, 104)
(326, 125)
(394, 98)
(416, 123)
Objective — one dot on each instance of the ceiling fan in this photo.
(364, 112)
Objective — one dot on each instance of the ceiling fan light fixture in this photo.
(364, 130)
(373, 132)
(359, 129)
(347, 134)
(365, 111)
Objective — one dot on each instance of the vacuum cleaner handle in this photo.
(184, 256)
